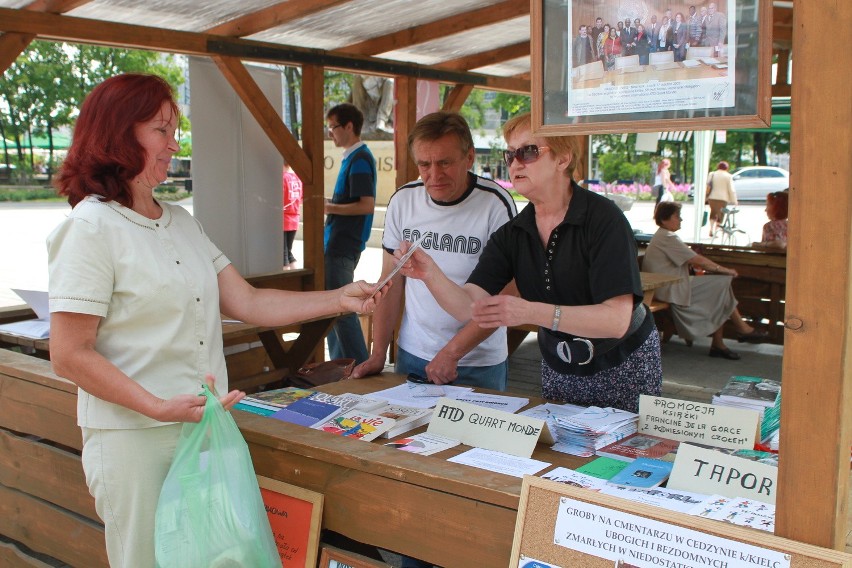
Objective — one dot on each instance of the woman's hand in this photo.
(496, 311)
(190, 407)
(359, 297)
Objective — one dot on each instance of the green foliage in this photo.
(337, 88)
(44, 88)
(511, 103)
(28, 194)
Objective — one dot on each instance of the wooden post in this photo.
(404, 120)
(816, 407)
(313, 124)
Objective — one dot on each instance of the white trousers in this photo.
(125, 471)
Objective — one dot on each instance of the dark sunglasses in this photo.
(525, 154)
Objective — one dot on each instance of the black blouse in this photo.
(590, 257)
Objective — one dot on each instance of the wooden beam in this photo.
(66, 28)
(263, 111)
(275, 15)
(11, 46)
(816, 406)
(14, 44)
(487, 57)
(456, 97)
(404, 121)
(444, 27)
(313, 210)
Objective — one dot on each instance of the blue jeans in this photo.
(346, 338)
(492, 377)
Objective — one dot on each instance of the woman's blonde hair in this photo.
(559, 145)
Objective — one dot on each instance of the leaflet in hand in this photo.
(403, 259)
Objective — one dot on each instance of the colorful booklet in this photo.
(602, 468)
(643, 473)
(640, 446)
(255, 408)
(280, 397)
(357, 424)
(307, 412)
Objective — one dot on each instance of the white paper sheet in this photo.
(499, 462)
(416, 395)
(496, 401)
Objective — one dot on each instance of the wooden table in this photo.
(422, 506)
(650, 282)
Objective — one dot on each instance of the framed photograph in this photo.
(616, 66)
(336, 558)
(295, 515)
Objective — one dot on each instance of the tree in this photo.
(44, 88)
(511, 104)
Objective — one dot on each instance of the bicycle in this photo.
(727, 232)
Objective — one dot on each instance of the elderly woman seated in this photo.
(700, 305)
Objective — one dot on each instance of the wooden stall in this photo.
(816, 429)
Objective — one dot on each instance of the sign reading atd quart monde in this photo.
(487, 428)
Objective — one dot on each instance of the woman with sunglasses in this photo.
(573, 257)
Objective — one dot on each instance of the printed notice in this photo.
(499, 462)
(644, 542)
(707, 424)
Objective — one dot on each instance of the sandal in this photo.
(756, 336)
(724, 354)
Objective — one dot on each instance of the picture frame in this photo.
(709, 82)
(333, 557)
(295, 516)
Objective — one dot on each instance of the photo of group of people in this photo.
(622, 59)
(700, 26)
(649, 55)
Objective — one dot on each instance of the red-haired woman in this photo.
(136, 292)
(775, 231)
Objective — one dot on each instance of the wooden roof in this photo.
(483, 43)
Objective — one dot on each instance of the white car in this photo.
(753, 183)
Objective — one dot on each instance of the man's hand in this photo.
(375, 364)
(443, 369)
(356, 297)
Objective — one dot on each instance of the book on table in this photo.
(280, 397)
(748, 392)
(602, 467)
(643, 473)
(307, 412)
(357, 424)
(639, 445)
(406, 418)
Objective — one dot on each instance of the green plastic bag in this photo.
(210, 513)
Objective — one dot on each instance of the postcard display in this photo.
(560, 526)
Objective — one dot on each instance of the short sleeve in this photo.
(80, 268)
(675, 250)
(494, 269)
(362, 181)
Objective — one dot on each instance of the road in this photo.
(25, 226)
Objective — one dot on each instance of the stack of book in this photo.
(753, 393)
(347, 414)
(593, 428)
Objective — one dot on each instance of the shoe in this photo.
(756, 336)
(724, 354)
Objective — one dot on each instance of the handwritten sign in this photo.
(295, 515)
(640, 541)
(485, 427)
(705, 470)
(720, 426)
